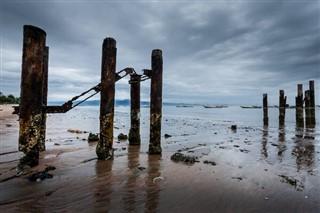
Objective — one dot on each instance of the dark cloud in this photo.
(213, 51)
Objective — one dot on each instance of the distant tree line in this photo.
(10, 99)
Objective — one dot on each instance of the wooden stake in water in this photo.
(156, 102)
(31, 94)
(265, 110)
(42, 139)
(307, 108)
(107, 94)
(282, 107)
(312, 104)
(299, 106)
(134, 133)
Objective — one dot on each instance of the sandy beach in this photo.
(6, 111)
(252, 169)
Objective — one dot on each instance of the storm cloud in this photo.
(214, 51)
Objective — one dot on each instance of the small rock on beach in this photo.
(122, 136)
(93, 137)
(76, 131)
(167, 136)
(183, 158)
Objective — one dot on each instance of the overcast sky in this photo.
(214, 52)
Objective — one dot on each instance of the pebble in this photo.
(93, 137)
(167, 136)
(210, 162)
(122, 136)
(183, 158)
(141, 168)
(158, 179)
(234, 127)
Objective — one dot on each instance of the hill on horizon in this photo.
(123, 102)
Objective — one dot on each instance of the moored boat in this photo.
(184, 106)
(251, 107)
(215, 107)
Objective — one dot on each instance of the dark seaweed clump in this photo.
(39, 176)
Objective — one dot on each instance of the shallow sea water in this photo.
(256, 168)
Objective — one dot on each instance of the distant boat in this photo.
(184, 106)
(215, 107)
(291, 107)
(287, 106)
(246, 107)
(256, 107)
(251, 107)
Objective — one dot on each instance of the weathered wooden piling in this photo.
(307, 108)
(299, 106)
(42, 138)
(311, 92)
(31, 94)
(265, 110)
(156, 102)
(312, 104)
(134, 133)
(282, 107)
(107, 94)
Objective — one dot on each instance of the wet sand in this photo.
(253, 169)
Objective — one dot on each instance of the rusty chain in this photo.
(68, 105)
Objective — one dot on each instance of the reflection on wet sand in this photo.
(264, 149)
(282, 141)
(130, 193)
(304, 148)
(104, 185)
(153, 181)
(131, 187)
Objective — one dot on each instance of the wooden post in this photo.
(265, 110)
(107, 94)
(156, 102)
(307, 108)
(42, 139)
(312, 104)
(31, 94)
(282, 107)
(311, 91)
(134, 133)
(299, 106)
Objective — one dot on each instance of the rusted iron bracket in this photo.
(145, 76)
(128, 71)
